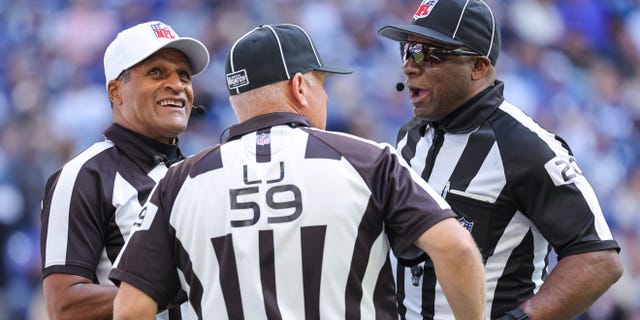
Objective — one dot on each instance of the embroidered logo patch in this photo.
(237, 79)
(263, 139)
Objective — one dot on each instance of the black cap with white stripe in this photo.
(272, 53)
(468, 23)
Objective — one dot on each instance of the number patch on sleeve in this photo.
(563, 170)
(145, 217)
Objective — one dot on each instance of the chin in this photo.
(176, 128)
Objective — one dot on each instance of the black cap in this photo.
(468, 23)
(272, 53)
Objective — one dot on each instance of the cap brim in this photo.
(196, 53)
(401, 32)
(337, 70)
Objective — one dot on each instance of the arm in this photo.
(71, 243)
(131, 303)
(574, 284)
(458, 266)
(74, 297)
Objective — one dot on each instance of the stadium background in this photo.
(574, 65)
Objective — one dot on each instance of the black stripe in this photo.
(368, 230)
(195, 285)
(263, 145)
(223, 247)
(207, 160)
(318, 149)
(413, 137)
(92, 193)
(515, 284)
(312, 240)
(174, 313)
(384, 299)
(411, 124)
(268, 274)
(438, 139)
(472, 157)
(428, 289)
(402, 310)
(142, 183)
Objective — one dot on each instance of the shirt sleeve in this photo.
(554, 194)
(412, 207)
(147, 260)
(73, 215)
(408, 204)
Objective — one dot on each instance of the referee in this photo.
(285, 220)
(90, 203)
(514, 185)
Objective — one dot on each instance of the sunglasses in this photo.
(426, 55)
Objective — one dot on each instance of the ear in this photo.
(481, 66)
(113, 89)
(299, 89)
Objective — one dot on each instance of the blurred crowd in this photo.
(574, 65)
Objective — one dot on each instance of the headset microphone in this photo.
(199, 109)
(400, 86)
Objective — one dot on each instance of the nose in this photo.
(175, 82)
(410, 67)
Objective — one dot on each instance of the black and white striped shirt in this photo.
(515, 186)
(282, 221)
(91, 202)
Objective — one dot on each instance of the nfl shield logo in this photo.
(466, 223)
(162, 30)
(424, 9)
(263, 139)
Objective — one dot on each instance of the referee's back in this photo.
(287, 220)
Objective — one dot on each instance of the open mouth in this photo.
(414, 92)
(172, 103)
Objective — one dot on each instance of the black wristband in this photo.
(515, 314)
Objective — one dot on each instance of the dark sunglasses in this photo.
(427, 55)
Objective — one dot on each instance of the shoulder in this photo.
(201, 162)
(93, 153)
(526, 146)
(376, 163)
(93, 162)
(335, 144)
(518, 135)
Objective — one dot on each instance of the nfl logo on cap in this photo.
(135, 44)
(458, 23)
(424, 9)
(163, 31)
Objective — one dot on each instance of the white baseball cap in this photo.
(135, 44)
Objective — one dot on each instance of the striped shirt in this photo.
(281, 221)
(515, 186)
(90, 203)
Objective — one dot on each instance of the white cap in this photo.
(139, 42)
